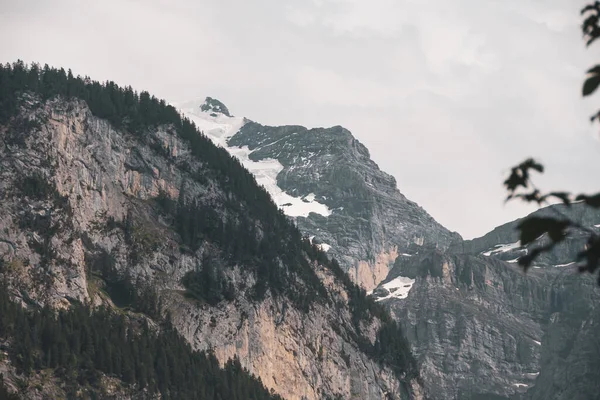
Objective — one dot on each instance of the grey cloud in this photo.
(447, 95)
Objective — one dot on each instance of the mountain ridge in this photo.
(107, 192)
(358, 213)
(481, 328)
(104, 188)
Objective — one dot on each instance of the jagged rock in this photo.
(97, 177)
(475, 321)
(326, 180)
(481, 328)
(570, 361)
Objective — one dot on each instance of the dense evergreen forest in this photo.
(80, 344)
(280, 259)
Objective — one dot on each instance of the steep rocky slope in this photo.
(482, 329)
(85, 199)
(326, 180)
(570, 354)
(475, 324)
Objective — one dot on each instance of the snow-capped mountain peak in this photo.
(214, 119)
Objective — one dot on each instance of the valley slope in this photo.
(108, 195)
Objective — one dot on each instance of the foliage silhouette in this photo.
(520, 185)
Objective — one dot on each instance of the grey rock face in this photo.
(475, 323)
(570, 361)
(95, 176)
(482, 329)
(371, 222)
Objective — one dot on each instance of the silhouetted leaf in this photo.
(532, 164)
(592, 201)
(526, 260)
(594, 70)
(519, 175)
(591, 255)
(529, 197)
(590, 27)
(565, 197)
(533, 227)
(591, 84)
(590, 7)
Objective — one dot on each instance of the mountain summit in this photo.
(325, 180)
(214, 107)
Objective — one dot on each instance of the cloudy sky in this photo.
(446, 94)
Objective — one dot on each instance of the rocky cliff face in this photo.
(70, 185)
(570, 351)
(326, 180)
(77, 192)
(475, 323)
(482, 329)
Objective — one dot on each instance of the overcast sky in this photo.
(446, 94)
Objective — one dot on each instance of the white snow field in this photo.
(220, 128)
(503, 248)
(398, 288)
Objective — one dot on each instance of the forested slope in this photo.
(111, 198)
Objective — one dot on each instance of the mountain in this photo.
(482, 329)
(144, 254)
(325, 180)
(119, 212)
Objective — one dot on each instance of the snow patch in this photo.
(564, 265)
(219, 128)
(324, 246)
(520, 385)
(503, 248)
(538, 343)
(398, 288)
